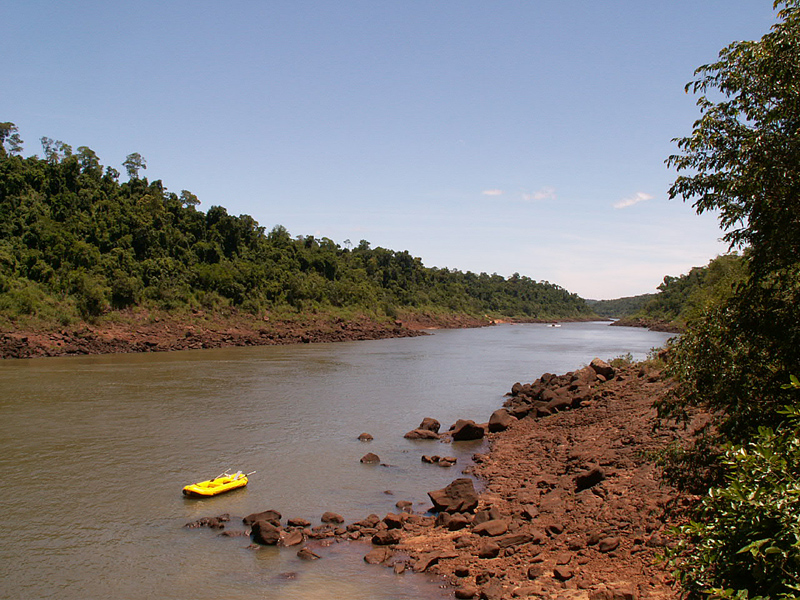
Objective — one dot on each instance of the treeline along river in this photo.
(95, 450)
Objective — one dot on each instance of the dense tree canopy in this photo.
(73, 239)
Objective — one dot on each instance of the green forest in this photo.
(76, 243)
(739, 359)
(681, 299)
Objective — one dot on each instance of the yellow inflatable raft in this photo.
(225, 482)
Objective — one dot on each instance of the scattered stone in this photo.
(387, 537)
(307, 554)
(365, 437)
(466, 591)
(608, 544)
(430, 425)
(293, 538)
(500, 420)
(378, 555)
(492, 528)
(458, 496)
(270, 516)
(464, 430)
(393, 521)
(298, 522)
(488, 549)
(332, 517)
(421, 434)
(265, 533)
(589, 478)
(370, 458)
(563, 573)
(602, 368)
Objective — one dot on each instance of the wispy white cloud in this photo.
(635, 199)
(492, 192)
(545, 193)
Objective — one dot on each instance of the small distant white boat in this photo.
(554, 325)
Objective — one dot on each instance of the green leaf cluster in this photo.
(75, 243)
(744, 541)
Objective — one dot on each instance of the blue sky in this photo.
(496, 137)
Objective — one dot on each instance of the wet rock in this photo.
(293, 538)
(387, 537)
(270, 516)
(464, 430)
(393, 521)
(404, 505)
(265, 533)
(466, 591)
(431, 459)
(425, 561)
(378, 555)
(430, 424)
(365, 437)
(370, 458)
(307, 554)
(500, 420)
(332, 517)
(458, 496)
(421, 434)
(298, 522)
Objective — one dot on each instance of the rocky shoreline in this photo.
(573, 506)
(145, 332)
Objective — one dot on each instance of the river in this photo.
(95, 450)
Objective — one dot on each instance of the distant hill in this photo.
(681, 299)
(76, 244)
(620, 307)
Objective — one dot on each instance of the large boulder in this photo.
(421, 434)
(500, 420)
(458, 496)
(466, 429)
(601, 367)
(430, 424)
(270, 516)
(266, 533)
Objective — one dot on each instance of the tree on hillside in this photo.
(134, 162)
(9, 135)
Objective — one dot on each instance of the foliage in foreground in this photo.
(742, 161)
(745, 539)
(77, 243)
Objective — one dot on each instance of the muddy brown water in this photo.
(95, 450)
